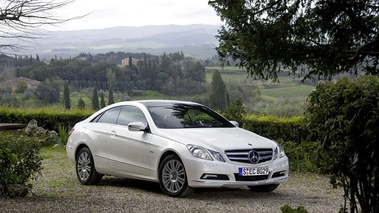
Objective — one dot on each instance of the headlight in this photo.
(206, 154)
(216, 155)
(278, 152)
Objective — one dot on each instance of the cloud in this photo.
(110, 13)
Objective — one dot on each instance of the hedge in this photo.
(276, 128)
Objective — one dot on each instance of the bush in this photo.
(344, 117)
(304, 156)
(288, 209)
(20, 162)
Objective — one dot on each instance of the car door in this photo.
(128, 151)
(98, 130)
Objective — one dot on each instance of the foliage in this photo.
(277, 128)
(110, 96)
(303, 156)
(344, 117)
(170, 74)
(289, 209)
(63, 132)
(20, 162)
(48, 118)
(95, 99)
(218, 96)
(21, 86)
(322, 38)
(48, 92)
(66, 97)
(81, 104)
(102, 100)
(236, 112)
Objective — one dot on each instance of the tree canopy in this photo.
(322, 38)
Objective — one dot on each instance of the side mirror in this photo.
(235, 123)
(137, 126)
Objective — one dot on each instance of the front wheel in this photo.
(264, 188)
(85, 168)
(173, 177)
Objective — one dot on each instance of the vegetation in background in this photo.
(95, 99)
(81, 104)
(218, 99)
(66, 97)
(236, 112)
(344, 118)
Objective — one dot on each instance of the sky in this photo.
(111, 13)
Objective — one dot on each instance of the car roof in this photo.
(157, 102)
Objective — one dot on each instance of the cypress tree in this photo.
(66, 97)
(81, 104)
(95, 100)
(102, 101)
(110, 96)
(218, 96)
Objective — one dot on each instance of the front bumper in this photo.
(202, 173)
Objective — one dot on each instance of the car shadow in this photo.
(199, 193)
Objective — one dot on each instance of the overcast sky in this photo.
(111, 13)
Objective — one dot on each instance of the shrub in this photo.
(288, 209)
(344, 117)
(303, 156)
(20, 162)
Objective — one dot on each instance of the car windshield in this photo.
(179, 115)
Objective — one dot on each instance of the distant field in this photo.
(288, 86)
(292, 91)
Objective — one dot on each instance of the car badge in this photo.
(250, 144)
(254, 156)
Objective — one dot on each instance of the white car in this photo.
(181, 145)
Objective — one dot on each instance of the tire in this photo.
(85, 168)
(264, 188)
(173, 177)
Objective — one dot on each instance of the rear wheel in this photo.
(264, 188)
(85, 168)
(173, 177)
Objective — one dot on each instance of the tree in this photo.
(26, 19)
(48, 92)
(325, 37)
(95, 100)
(66, 97)
(21, 86)
(110, 96)
(102, 101)
(348, 136)
(217, 98)
(81, 104)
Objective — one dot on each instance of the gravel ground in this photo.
(59, 191)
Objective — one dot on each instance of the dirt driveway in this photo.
(59, 191)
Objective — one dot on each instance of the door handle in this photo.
(113, 133)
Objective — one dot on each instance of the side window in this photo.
(131, 114)
(110, 116)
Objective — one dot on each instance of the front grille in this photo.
(242, 156)
(250, 178)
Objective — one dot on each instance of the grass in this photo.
(291, 91)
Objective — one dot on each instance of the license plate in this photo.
(253, 171)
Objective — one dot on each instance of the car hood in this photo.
(218, 138)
